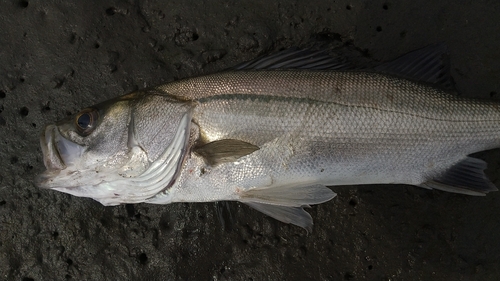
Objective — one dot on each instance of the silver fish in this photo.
(274, 133)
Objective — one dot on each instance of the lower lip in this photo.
(51, 157)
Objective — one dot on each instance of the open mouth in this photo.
(51, 158)
(58, 152)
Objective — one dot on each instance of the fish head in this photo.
(124, 150)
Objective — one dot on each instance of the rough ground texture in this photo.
(57, 57)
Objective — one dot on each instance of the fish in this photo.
(275, 133)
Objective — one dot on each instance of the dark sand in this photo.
(56, 58)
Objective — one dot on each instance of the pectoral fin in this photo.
(223, 151)
(285, 203)
(465, 177)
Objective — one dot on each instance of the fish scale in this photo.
(275, 138)
(423, 129)
(356, 89)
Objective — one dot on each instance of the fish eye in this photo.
(86, 121)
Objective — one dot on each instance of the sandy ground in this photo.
(58, 57)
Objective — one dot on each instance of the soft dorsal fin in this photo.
(226, 150)
(295, 58)
(429, 64)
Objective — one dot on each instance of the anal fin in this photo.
(285, 202)
(465, 177)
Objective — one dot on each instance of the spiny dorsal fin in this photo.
(465, 177)
(295, 58)
(226, 150)
(429, 64)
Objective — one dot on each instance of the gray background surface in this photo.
(57, 57)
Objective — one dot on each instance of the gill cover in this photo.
(158, 176)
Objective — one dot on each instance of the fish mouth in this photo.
(51, 158)
(58, 154)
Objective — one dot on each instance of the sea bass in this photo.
(273, 133)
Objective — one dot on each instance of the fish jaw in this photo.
(95, 182)
(58, 154)
(60, 157)
(64, 171)
(51, 157)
